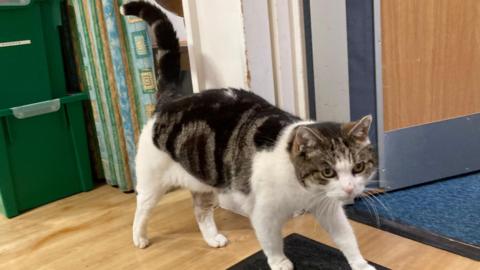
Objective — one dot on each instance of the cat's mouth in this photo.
(342, 197)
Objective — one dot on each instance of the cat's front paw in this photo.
(218, 241)
(284, 264)
(140, 242)
(362, 266)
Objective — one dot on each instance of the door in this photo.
(429, 61)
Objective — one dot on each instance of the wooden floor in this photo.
(92, 231)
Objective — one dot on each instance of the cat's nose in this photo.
(348, 189)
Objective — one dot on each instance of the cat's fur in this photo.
(233, 141)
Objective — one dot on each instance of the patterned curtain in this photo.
(115, 66)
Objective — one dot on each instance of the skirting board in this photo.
(416, 234)
(432, 151)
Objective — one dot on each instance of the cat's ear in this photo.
(305, 140)
(359, 129)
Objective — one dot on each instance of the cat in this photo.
(233, 141)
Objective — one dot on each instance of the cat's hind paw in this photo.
(218, 241)
(140, 242)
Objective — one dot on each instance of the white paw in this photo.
(218, 241)
(140, 242)
(284, 264)
(362, 266)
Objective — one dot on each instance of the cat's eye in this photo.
(358, 168)
(328, 173)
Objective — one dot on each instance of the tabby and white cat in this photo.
(233, 141)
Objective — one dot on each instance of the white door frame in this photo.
(258, 45)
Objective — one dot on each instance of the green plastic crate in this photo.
(43, 154)
(31, 63)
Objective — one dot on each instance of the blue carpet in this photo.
(450, 207)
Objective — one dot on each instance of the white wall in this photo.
(330, 59)
(252, 44)
(288, 48)
(259, 48)
(216, 43)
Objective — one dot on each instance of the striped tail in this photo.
(169, 51)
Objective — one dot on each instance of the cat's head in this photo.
(336, 159)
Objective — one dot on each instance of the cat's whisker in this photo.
(315, 201)
(376, 192)
(330, 207)
(369, 208)
(315, 225)
(373, 181)
(387, 209)
(315, 208)
(319, 204)
(372, 204)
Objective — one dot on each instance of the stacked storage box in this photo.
(43, 145)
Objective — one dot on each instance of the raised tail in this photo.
(168, 58)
